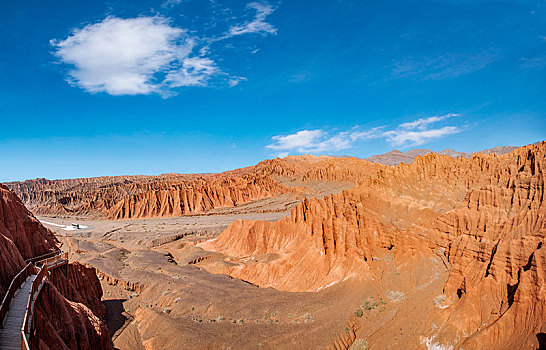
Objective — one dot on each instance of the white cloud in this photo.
(194, 71)
(147, 55)
(408, 134)
(417, 132)
(132, 56)
(422, 123)
(318, 141)
(300, 141)
(258, 24)
(403, 137)
(234, 81)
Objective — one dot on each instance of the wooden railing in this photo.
(44, 266)
(28, 323)
(41, 257)
(40, 266)
(54, 261)
(14, 286)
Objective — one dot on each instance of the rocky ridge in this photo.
(124, 197)
(396, 157)
(176, 194)
(483, 216)
(68, 310)
(21, 237)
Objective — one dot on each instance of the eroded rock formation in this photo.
(196, 197)
(123, 197)
(69, 312)
(484, 215)
(127, 197)
(68, 309)
(21, 237)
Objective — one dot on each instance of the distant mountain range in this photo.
(396, 157)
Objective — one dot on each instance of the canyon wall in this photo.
(21, 237)
(122, 197)
(197, 197)
(484, 215)
(144, 196)
(87, 196)
(125, 197)
(68, 310)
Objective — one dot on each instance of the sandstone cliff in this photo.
(86, 196)
(69, 312)
(68, 308)
(484, 215)
(196, 197)
(125, 197)
(21, 237)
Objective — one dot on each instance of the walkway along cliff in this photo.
(47, 302)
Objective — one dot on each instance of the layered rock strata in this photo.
(484, 215)
(68, 310)
(21, 237)
(127, 197)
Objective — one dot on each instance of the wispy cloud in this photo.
(171, 3)
(194, 71)
(234, 81)
(408, 134)
(537, 62)
(417, 132)
(442, 67)
(258, 24)
(132, 56)
(417, 138)
(319, 141)
(423, 123)
(301, 77)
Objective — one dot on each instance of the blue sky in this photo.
(92, 88)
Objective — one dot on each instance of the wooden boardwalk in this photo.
(10, 334)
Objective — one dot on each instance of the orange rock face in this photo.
(86, 196)
(485, 216)
(67, 310)
(80, 284)
(196, 197)
(125, 197)
(21, 237)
